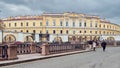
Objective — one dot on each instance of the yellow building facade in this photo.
(75, 25)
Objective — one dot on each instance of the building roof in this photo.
(23, 18)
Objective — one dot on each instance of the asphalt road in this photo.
(98, 59)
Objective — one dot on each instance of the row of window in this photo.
(61, 24)
(27, 24)
(74, 32)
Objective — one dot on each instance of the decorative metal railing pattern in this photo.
(3, 52)
(23, 49)
(57, 48)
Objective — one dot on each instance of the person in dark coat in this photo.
(90, 43)
(103, 44)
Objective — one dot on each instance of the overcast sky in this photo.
(109, 9)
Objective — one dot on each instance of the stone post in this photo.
(33, 47)
(84, 46)
(12, 52)
(115, 43)
(45, 49)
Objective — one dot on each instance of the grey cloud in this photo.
(105, 8)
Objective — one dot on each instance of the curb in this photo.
(41, 58)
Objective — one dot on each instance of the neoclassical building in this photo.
(73, 26)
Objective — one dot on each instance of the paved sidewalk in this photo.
(37, 56)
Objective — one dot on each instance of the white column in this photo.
(20, 37)
(77, 23)
(36, 37)
(0, 36)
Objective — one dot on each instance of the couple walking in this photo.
(103, 44)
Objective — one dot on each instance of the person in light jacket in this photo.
(94, 45)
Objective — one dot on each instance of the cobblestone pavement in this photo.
(97, 59)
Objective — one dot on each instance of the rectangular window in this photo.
(73, 32)
(90, 31)
(26, 23)
(66, 23)
(107, 26)
(104, 32)
(47, 32)
(100, 25)
(61, 24)
(4, 25)
(15, 24)
(95, 32)
(104, 26)
(99, 32)
(54, 23)
(80, 31)
(85, 24)
(80, 24)
(34, 31)
(27, 31)
(40, 31)
(47, 23)
(66, 31)
(9, 24)
(95, 24)
(21, 24)
(40, 23)
(113, 33)
(61, 31)
(15, 30)
(91, 24)
(73, 23)
(85, 31)
(53, 31)
(21, 30)
(33, 23)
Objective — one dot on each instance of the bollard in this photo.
(84, 46)
(115, 43)
(12, 52)
(33, 47)
(45, 49)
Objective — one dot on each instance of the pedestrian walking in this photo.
(90, 44)
(94, 45)
(103, 44)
